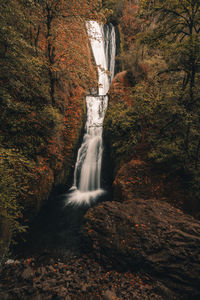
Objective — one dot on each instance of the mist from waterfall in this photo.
(87, 174)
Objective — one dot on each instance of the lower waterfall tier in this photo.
(87, 174)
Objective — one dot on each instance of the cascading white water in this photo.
(110, 48)
(96, 35)
(87, 174)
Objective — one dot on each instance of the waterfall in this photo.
(110, 48)
(87, 174)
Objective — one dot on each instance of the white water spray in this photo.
(87, 175)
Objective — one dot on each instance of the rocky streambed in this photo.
(76, 278)
(136, 249)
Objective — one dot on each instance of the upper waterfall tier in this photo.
(96, 36)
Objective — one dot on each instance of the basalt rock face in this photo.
(148, 235)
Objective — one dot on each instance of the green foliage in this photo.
(162, 53)
(28, 128)
(123, 128)
(13, 167)
(176, 35)
(22, 69)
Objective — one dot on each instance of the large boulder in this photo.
(149, 235)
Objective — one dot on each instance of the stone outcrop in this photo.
(150, 235)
